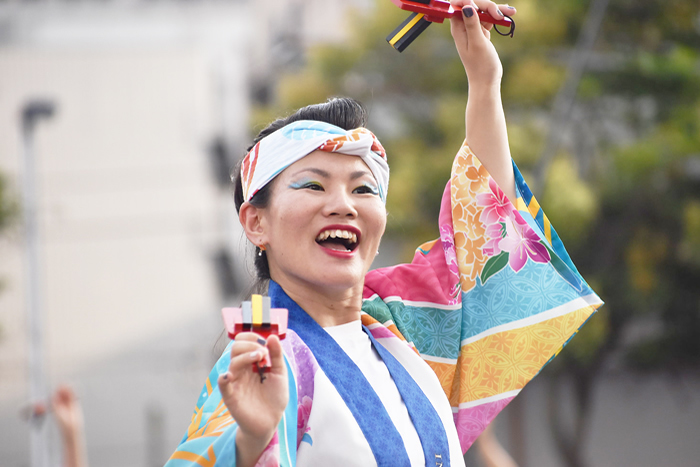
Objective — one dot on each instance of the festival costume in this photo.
(486, 306)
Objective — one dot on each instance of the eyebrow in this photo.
(359, 173)
(322, 173)
(319, 172)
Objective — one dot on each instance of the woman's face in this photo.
(324, 222)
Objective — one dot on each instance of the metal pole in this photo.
(38, 439)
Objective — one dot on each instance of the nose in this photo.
(339, 203)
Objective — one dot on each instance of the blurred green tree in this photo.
(9, 208)
(8, 214)
(8, 205)
(638, 107)
(623, 188)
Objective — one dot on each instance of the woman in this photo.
(348, 385)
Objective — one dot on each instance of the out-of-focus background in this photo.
(138, 245)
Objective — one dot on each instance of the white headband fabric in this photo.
(277, 151)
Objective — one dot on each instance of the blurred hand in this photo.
(257, 407)
(473, 41)
(67, 411)
(69, 416)
(491, 451)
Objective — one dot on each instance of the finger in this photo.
(459, 4)
(225, 385)
(472, 25)
(242, 363)
(247, 336)
(457, 21)
(491, 8)
(242, 347)
(276, 354)
(507, 9)
(458, 31)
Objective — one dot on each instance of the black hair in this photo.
(342, 112)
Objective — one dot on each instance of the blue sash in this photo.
(369, 412)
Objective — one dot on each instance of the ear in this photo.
(251, 218)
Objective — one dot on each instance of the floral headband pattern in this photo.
(276, 152)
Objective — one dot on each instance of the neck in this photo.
(327, 306)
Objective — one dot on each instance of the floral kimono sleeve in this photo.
(490, 302)
(210, 440)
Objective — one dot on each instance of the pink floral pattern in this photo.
(270, 457)
(448, 246)
(507, 231)
(521, 243)
(495, 232)
(496, 204)
(303, 412)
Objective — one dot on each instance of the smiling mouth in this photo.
(338, 239)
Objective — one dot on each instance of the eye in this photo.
(366, 190)
(306, 185)
(315, 186)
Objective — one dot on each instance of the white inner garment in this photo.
(356, 344)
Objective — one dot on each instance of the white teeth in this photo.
(337, 234)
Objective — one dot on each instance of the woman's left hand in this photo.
(473, 41)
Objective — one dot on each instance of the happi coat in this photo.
(485, 306)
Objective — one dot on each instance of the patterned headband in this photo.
(276, 152)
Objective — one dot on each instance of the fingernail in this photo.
(254, 354)
(261, 341)
(225, 376)
(500, 12)
(510, 7)
(468, 11)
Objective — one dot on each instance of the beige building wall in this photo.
(126, 205)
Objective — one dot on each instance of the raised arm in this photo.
(485, 121)
(69, 417)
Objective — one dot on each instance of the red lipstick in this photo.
(343, 254)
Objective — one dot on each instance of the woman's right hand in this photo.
(256, 407)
